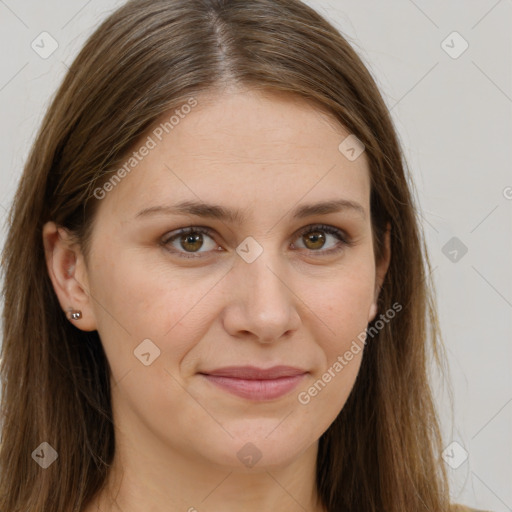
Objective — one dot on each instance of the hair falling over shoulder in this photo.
(383, 450)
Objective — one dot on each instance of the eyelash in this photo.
(344, 240)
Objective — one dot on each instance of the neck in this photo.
(137, 484)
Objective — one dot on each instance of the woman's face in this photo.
(260, 280)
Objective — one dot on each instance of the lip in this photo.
(256, 383)
(255, 373)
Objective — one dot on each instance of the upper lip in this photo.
(254, 373)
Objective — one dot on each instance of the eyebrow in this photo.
(218, 212)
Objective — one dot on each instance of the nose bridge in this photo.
(266, 304)
(262, 275)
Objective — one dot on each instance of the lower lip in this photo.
(256, 389)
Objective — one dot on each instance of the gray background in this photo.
(454, 119)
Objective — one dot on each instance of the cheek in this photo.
(342, 307)
(344, 301)
(134, 301)
(321, 399)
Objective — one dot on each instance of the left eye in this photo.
(191, 240)
(315, 235)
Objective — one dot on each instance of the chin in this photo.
(258, 452)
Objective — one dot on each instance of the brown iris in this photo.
(317, 238)
(192, 242)
(187, 241)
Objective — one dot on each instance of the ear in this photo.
(68, 273)
(380, 273)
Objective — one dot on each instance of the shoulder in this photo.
(463, 508)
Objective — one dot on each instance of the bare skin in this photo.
(302, 302)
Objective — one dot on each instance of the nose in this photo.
(261, 302)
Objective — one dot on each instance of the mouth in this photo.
(256, 384)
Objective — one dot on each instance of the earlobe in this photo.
(373, 312)
(68, 275)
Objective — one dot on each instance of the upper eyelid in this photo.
(344, 237)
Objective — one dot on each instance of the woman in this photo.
(216, 287)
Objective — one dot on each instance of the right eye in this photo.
(186, 242)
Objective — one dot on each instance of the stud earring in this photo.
(74, 314)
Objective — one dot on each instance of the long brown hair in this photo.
(383, 450)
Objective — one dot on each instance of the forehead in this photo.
(244, 146)
(257, 125)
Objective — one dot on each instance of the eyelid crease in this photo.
(344, 238)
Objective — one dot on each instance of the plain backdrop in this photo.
(444, 69)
